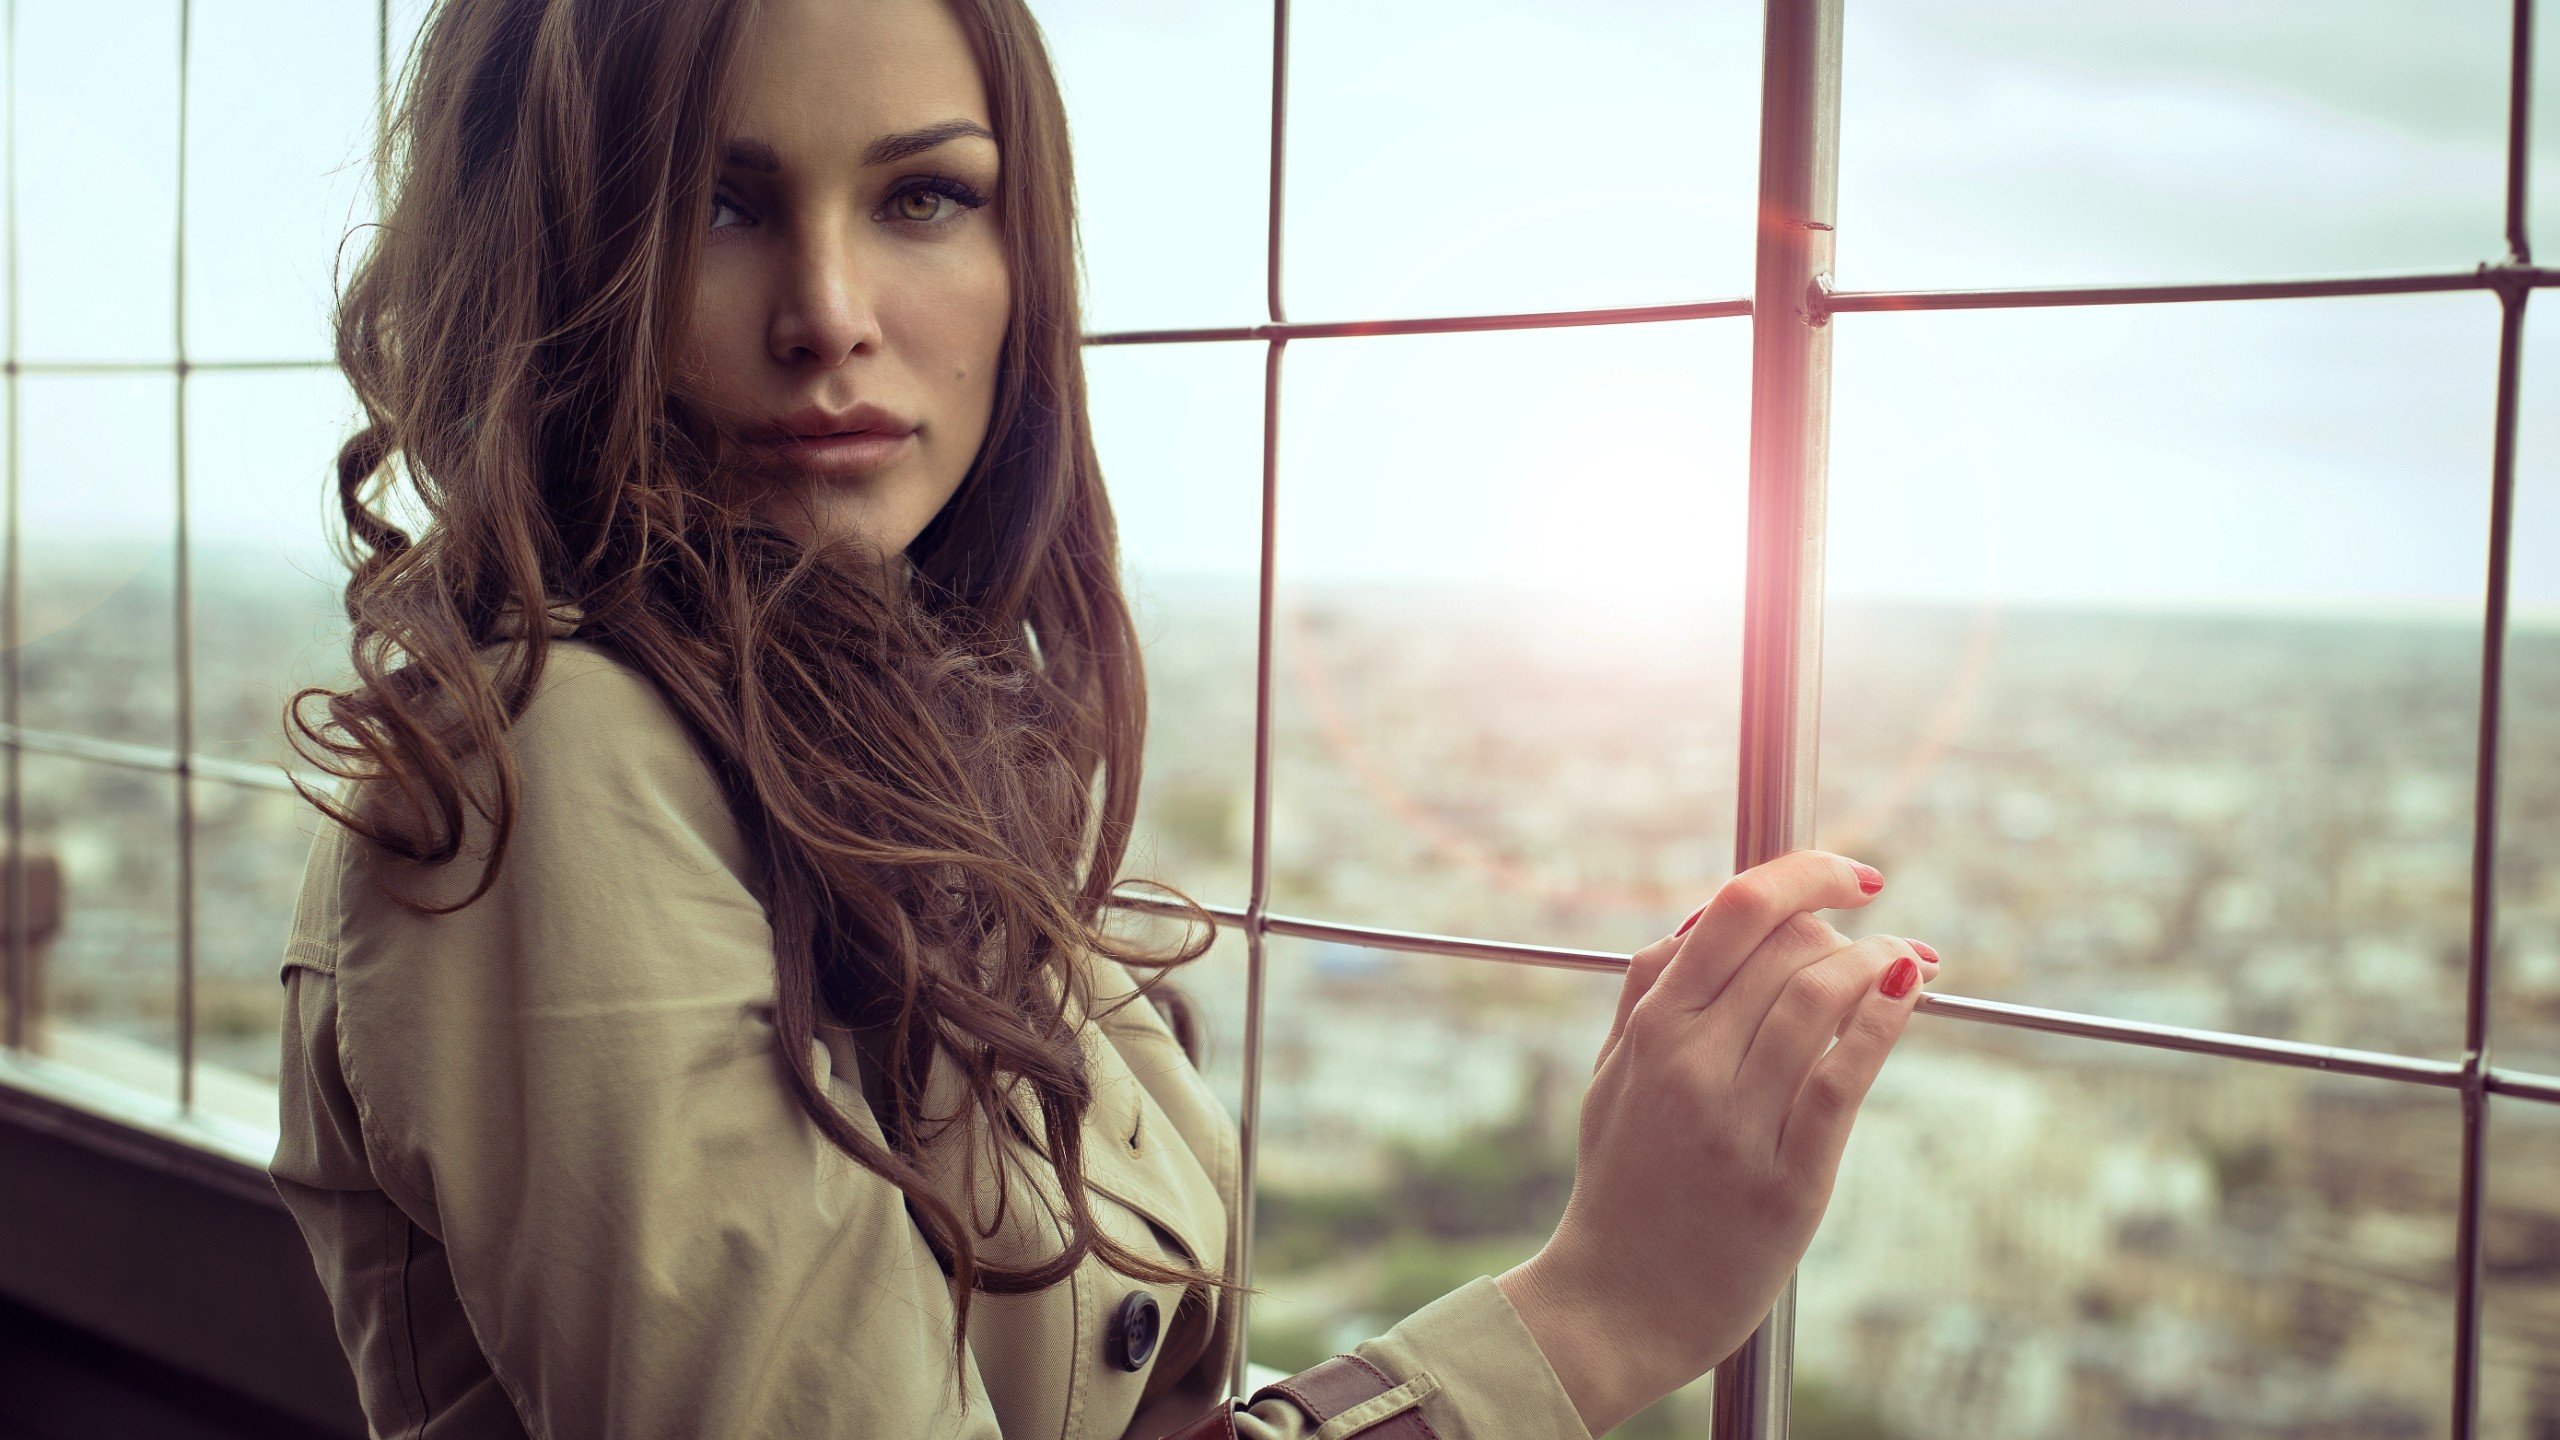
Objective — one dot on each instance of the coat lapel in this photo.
(1183, 1174)
(1186, 1174)
(1156, 1137)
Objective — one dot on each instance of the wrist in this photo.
(1607, 1377)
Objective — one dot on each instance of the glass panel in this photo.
(261, 486)
(251, 845)
(2524, 1028)
(2011, 142)
(2152, 654)
(106, 968)
(1179, 428)
(98, 510)
(2032, 1235)
(1507, 652)
(2520, 1270)
(97, 180)
(1170, 106)
(1459, 156)
(274, 172)
(1419, 1117)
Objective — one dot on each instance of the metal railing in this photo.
(1790, 308)
(1791, 305)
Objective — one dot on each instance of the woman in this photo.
(700, 1020)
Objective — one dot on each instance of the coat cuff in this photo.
(1494, 1381)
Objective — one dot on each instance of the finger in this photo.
(1817, 1002)
(1817, 1126)
(1643, 968)
(1726, 1027)
(1929, 964)
(1746, 908)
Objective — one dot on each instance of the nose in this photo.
(825, 313)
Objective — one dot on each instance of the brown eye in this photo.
(932, 193)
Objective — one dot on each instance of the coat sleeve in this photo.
(575, 1083)
(1463, 1367)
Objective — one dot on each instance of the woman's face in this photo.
(854, 276)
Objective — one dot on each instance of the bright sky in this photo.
(1464, 155)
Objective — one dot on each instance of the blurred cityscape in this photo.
(2243, 822)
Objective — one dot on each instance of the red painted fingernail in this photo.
(1899, 975)
(1692, 920)
(1925, 952)
(1870, 879)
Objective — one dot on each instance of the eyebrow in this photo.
(755, 155)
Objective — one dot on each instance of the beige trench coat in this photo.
(553, 1182)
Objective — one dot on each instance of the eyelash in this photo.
(966, 196)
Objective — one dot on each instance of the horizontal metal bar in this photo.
(248, 774)
(259, 775)
(2332, 1059)
(2336, 1060)
(2485, 277)
(153, 367)
(1414, 942)
(1434, 325)
(1826, 301)
(122, 753)
(1418, 943)
(1268, 331)
(2524, 1085)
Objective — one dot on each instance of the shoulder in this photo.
(595, 719)
(626, 883)
(608, 776)
(590, 705)
(619, 954)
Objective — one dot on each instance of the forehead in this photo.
(820, 78)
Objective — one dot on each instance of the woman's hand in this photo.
(1712, 1132)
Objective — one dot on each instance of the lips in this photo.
(842, 455)
(817, 422)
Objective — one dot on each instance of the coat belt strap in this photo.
(1324, 1391)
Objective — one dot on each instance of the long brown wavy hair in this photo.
(911, 744)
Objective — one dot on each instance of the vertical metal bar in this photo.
(1257, 903)
(183, 599)
(2484, 879)
(381, 67)
(1782, 606)
(1279, 157)
(2512, 294)
(2519, 131)
(21, 963)
(1258, 898)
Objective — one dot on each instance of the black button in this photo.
(1133, 1332)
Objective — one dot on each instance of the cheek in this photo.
(720, 342)
(995, 309)
(967, 322)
